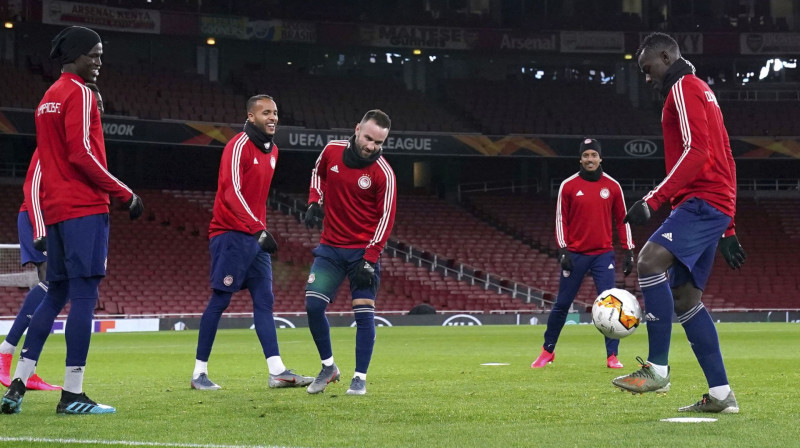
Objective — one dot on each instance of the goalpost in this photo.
(11, 273)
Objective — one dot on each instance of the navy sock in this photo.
(702, 336)
(318, 324)
(658, 304)
(42, 319)
(78, 330)
(612, 347)
(217, 304)
(32, 300)
(365, 335)
(263, 320)
(83, 293)
(555, 323)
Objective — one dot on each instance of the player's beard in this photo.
(352, 156)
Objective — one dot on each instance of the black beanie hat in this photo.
(590, 143)
(72, 42)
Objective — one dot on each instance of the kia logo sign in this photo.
(640, 148)
(461, 319)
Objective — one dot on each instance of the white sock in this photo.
(275, 364)
(720, 392)
(661, 371)
(25, 368)
(199, 367)
(73, 379)
(363, 376)
(328, 362)
(7, 348)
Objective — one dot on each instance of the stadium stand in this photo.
(761, 118)
(767, 228)
(172, 95)
(176, 95)
(319, 102)
(547, 107)
(471, 105)
(22, 89)
(160, 265)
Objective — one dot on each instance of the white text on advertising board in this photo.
(118, 129)
(408, 143)
(419, 36)
(309, 140)
(527, 43)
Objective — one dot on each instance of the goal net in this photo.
(11, 273)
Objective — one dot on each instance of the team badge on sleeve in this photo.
(364, 182)
(311, 278)
(228, 280)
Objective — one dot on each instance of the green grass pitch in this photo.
(426, 388)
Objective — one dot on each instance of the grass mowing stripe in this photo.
(128, 443)
(426, 388)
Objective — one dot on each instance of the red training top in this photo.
(245, 174)
(697, 151)
(72, 153)
(33, 196)
(584, 214)
(359, 202)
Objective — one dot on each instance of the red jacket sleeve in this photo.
(80, 115)
(32, 197)
(231, 171)
(731, 230)
(316, 192)
(386, 201)
(562, 210)
(690, 108)
(618, 211)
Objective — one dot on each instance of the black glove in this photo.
(364, 274)
(314, 215)
(639, 213)
(40, 243)
(266, 241)
(627, 265)
(732, 251)
(135, 206)
(564, 259)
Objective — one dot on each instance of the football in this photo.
(616, 313)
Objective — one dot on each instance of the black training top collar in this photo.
(261, 139)
(353, 160)
(591, 176)
(676, 71)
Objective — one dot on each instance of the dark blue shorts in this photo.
(27, 254)
(235, 258)
(77, 248)
(331, 266)
(691, 233)
(600, 266)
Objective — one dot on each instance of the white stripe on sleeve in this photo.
(236, 156)
(388, 200)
